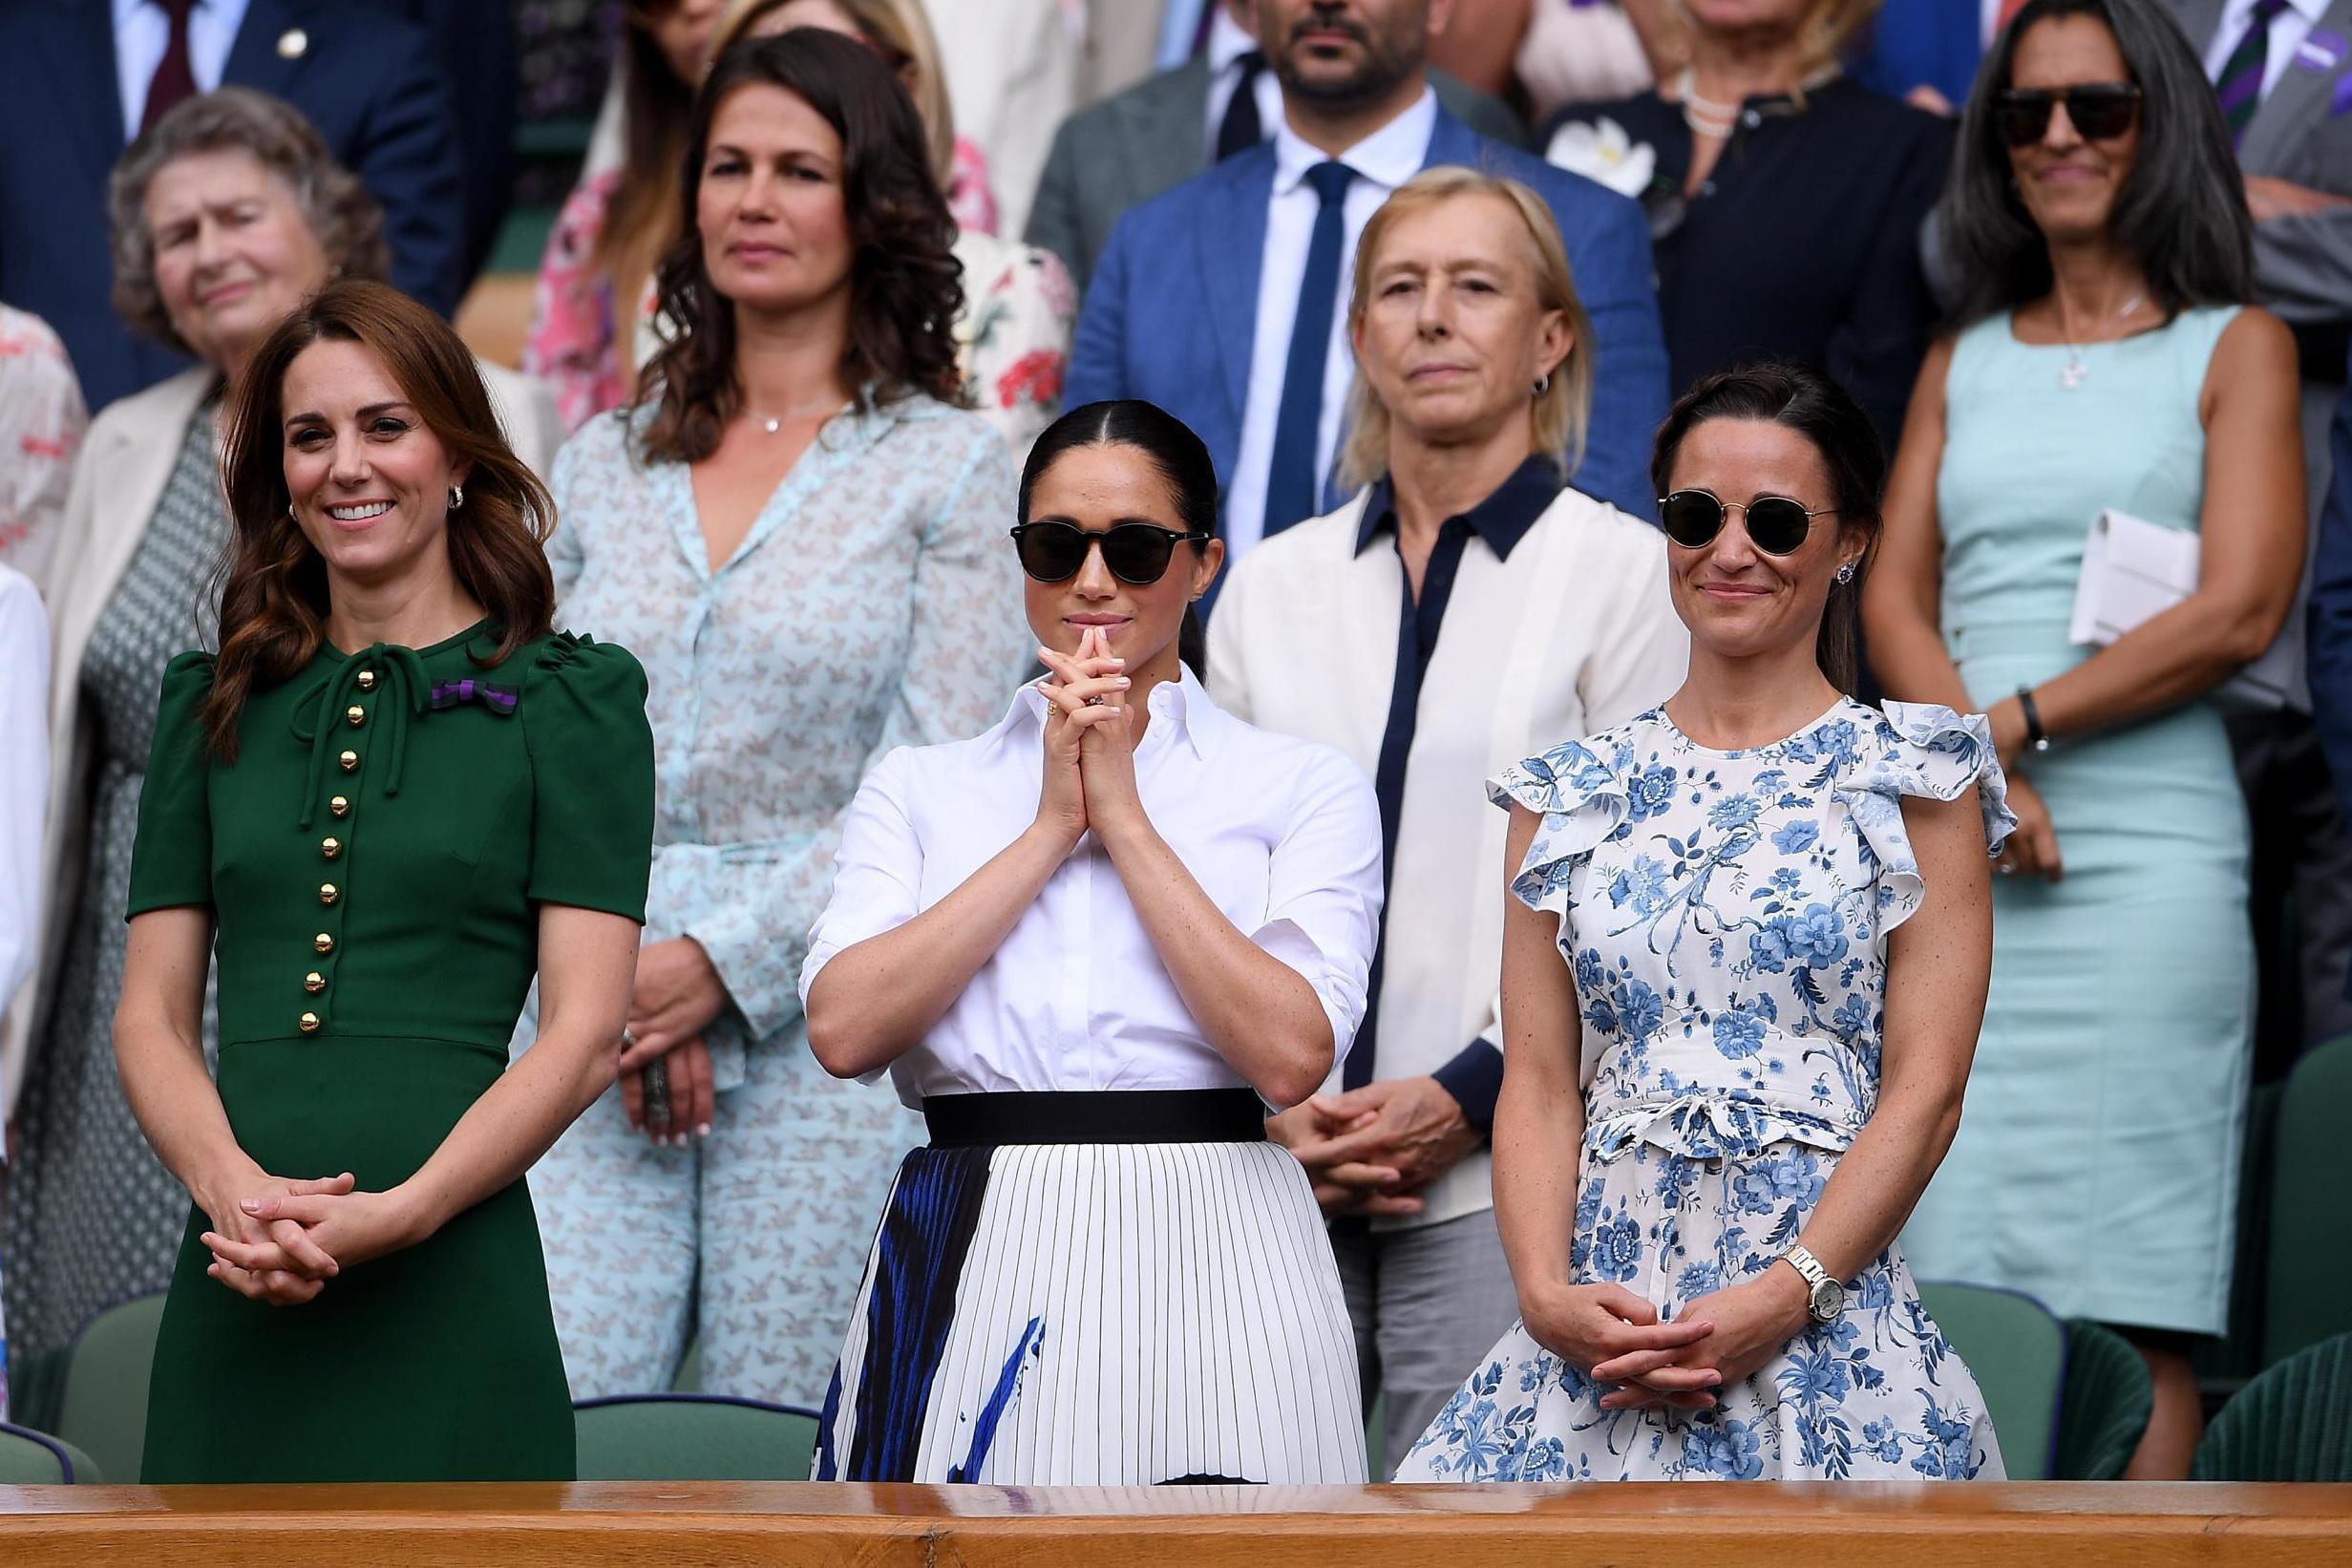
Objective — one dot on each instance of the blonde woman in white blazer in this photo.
(227, 215)
(1466, 609)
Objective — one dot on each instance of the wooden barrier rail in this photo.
(728, 1524)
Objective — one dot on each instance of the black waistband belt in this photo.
(1134, 1115)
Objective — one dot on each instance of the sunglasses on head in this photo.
(2098, 111)
(1777, 525)
(1138, 553)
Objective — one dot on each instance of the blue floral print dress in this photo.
(1726, 915)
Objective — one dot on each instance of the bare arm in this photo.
(1902, 598)
(1539, 1114)
(160, 1054)
(2252, 525)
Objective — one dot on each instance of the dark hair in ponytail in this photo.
(1808, 401)
(1180, 457)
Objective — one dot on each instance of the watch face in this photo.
(1828, 1300)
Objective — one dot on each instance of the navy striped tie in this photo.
(2240, 83)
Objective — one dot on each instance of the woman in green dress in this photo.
(392, 797)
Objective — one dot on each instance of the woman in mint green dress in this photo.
(2110, 361)
(393, 797)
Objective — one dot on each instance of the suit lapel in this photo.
(1166, 139)
(1451, 141)
(255, 60)
(1232, 241)
(79, 57)
(127, 481)
(2301, 99)
(2199, 19)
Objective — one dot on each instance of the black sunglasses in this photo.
(1777, 525)
(1053, 551)
(2098, 111)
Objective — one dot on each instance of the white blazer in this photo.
(125, 461)
(1572, 633)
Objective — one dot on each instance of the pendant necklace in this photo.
(2076, 370)
(772, 423)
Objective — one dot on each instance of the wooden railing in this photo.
(666, 1525)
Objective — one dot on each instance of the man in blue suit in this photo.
(74, 79)
(1223, 300)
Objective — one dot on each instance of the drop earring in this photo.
(457, 497)
(1845, 573)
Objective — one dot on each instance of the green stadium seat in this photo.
(104, 1410)
(2307, 1286)
(2293, 1423)
(693, 1437)
(2018, 1352)
(2103, 1410)
(34, 1458)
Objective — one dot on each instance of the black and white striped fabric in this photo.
(1098, 1315)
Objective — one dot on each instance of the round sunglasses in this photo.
(1776, 525)
(1137, 553)
(2098, 111)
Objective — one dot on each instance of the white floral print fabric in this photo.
(1725, 913)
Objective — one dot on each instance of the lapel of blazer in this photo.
(127, 481)
(1451, 141)
(2199, 19)
(1163, 139)
(2298, 103)
(80, 55)
(255, 60)
(1231, 242)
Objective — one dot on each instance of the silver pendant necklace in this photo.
(2076, 370)
(772, 423)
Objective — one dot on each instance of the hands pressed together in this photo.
(1371, 1150)
(1614, 1336)
(1090, 745)
(282, 1241)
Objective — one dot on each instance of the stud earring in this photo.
(1845, 573)
(457, 497)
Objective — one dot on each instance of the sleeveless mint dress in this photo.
(2096, 1166)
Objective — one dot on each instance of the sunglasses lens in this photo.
(1692, 518)
(1777, 525)
(2099, 113)
(1137, 554)
(1051, 552)
(2024, 117)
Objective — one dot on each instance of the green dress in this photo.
(373, 858)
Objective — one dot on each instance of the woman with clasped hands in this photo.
(1746, 951)
(1092, 945)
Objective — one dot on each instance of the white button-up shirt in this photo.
(1383, 162)
(142, 32)
(1282, 833)
(2287, 32)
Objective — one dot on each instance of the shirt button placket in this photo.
(326, 945)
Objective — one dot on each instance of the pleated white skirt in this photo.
(1098, 1315)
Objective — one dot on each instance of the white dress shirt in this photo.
(1571, 632)
(1282, 833)
(1383, 162)
(2287, 32)
(1228, 41)
(24, 772)
(142, 32)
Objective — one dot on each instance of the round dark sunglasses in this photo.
(1053, 551)
(2098, 111)
(1777, 525)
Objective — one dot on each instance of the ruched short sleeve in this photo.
(171, 861)
(1581, 789)
(582, 710)
(1925, 750)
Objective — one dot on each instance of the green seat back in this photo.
(32, 1458)
(693, 1437)
(104, 1410)
(2104, 1410)
(2293, 1423)
(2308, 1286)
(2018, 1352)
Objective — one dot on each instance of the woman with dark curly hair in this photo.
(365, 812)
(798, 537)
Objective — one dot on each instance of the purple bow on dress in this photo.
(498, 699)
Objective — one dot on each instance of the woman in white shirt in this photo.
(1092, 945)
(1464, 607)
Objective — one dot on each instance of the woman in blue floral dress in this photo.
(1743, 974)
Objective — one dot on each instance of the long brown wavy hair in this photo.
(906, 286)
(274, 596)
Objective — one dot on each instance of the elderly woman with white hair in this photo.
(226, 214)
(1466, 602)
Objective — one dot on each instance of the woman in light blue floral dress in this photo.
(1738, 1005)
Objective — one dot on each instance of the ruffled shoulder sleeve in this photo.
(171, 861)
(1926, 749)
(583, 708)
(1581, 789)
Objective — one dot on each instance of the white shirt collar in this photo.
(1229, 40)
(1388, 157)
(1183, 705)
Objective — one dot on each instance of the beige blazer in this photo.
(1572, 633)
(118, 478)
